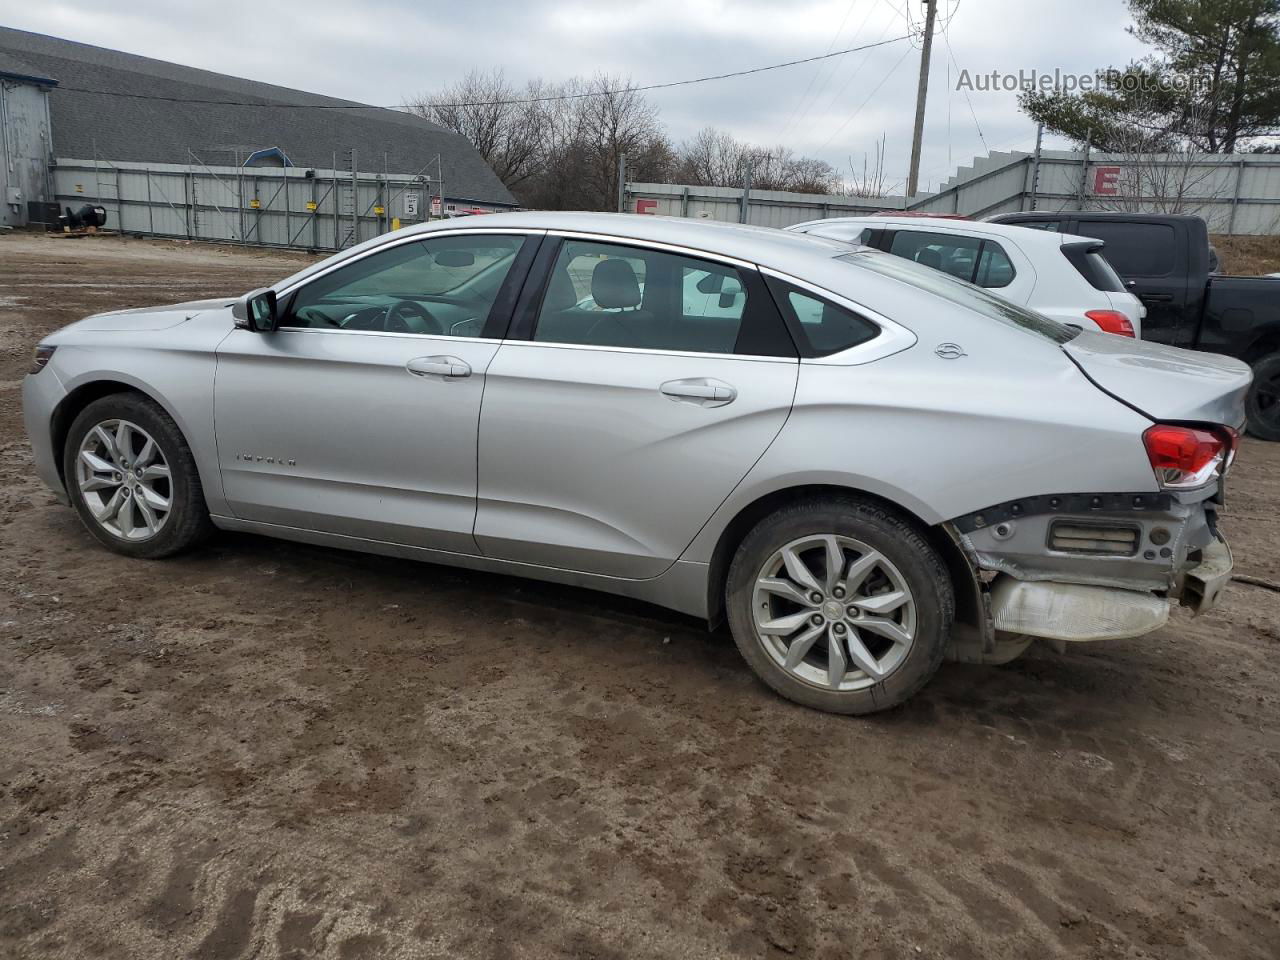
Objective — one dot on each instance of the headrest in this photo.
(614, 285)
(929, 258)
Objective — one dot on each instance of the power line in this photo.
(854, 76)
(804, 102)
(870, 96)
(946, 39)
(491, 103)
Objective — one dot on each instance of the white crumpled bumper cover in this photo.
(1072, 611)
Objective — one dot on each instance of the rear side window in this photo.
(955, 255)
(1134, 249)
(820, 327)
(983, 262)
(613, 295)
(994, 268)
(1093, 266)
(1052, 226)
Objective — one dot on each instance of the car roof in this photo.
(1090, 215)
(764, 246)
(1021, 236)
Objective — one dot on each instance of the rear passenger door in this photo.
(638, 386)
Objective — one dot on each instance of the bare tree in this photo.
(509, 132)
(1158, 175)
(715, 158)
(555, 146)
(871, 181)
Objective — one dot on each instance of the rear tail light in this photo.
(1184, 458)
(1111, 321)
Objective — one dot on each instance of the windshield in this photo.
(961, 293)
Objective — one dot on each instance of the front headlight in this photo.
(44, 352)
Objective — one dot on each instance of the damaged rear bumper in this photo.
(1123, 561)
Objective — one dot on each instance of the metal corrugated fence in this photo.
(311, 208)
(1237, 193)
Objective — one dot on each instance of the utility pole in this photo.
(922, 93)
(622, 183)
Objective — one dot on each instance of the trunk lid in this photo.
(1165, 383)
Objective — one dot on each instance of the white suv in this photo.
(1062, 276)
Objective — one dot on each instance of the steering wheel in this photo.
(398, 314)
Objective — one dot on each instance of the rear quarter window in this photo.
(1093, 266)
(1134, 249)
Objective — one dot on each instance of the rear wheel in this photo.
(132, 479)
(840, 605)
(1262, 406)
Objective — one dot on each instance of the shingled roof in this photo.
(160, 124)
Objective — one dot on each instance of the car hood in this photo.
(149, 318)
(1165, 383)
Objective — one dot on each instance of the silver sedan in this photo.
(862, 465)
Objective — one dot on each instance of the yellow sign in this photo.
(254, 203)
(79, 188)
(395, 223)
(311, 204)
(379, 211)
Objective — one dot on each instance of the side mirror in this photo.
(256, 311)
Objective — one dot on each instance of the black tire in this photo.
(897, 540)
(188, 520)
(1262, 405)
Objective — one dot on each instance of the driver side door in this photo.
(359, 415)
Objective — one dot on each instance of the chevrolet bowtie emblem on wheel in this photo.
(949, 351)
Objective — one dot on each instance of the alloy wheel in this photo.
(833, 612)
(124, 479)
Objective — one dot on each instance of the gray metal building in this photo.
(114, 108)
(26, 146)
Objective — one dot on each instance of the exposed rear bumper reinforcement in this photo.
(1073, 611)
(1204, 582)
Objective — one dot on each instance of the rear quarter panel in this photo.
(946, 437)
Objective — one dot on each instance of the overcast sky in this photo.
(382, 51)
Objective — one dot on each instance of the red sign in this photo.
(647, 206)
(1106, 181)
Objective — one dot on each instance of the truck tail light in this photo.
(1111, 321)
(1184, 458)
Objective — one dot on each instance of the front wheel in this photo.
(132, 479)
(840, 605)
(1262, 406)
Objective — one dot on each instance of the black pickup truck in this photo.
(1165, 260)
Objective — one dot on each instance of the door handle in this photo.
(703, 391)
(1156, 297)
(450, 368)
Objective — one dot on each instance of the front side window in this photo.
(609, 295)
(442, 286)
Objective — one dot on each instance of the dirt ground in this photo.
(267, 750)
(1248, 256)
